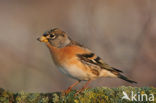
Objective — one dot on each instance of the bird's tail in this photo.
(113, 72)
(125, 78)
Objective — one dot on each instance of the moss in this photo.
(92, 95)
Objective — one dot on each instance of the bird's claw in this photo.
(63, 93)
(79, 91)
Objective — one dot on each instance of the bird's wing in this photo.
(96, 60)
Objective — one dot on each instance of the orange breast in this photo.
(67, 58)
(66, 54)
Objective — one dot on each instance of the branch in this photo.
(92, 95)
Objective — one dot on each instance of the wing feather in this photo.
(96, 60)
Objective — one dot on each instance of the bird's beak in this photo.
(42, 39)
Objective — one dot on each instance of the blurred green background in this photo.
(122, 32)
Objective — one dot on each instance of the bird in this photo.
(77, 61)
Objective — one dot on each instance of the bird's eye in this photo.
(52, 36)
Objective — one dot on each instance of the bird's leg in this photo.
(83, 88)
(69, 88)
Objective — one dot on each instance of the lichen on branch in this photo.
(92, 95)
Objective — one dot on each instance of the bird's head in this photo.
(55, 37)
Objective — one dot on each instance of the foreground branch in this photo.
(93, 95)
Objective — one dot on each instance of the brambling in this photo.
(77, 61)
